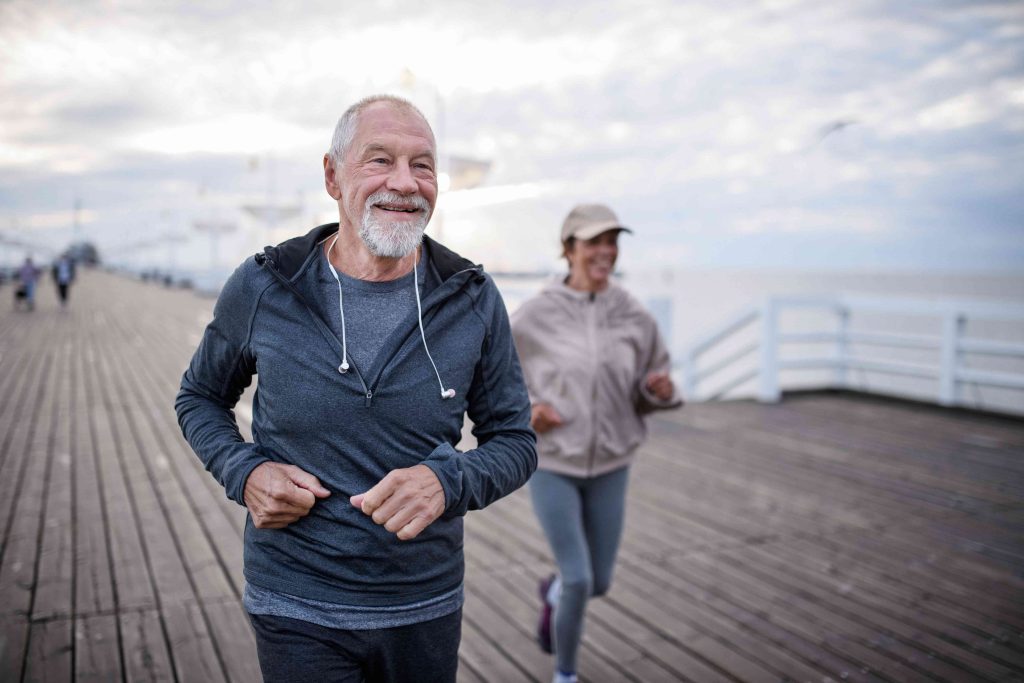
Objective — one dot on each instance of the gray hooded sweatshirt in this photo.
(588, 356)
(349, 430)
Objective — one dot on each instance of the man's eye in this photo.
(379, 160)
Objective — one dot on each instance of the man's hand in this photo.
(660, 384)
(405, 502)
(544, 418)
(278, 495)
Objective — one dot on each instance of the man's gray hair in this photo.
(345, 131)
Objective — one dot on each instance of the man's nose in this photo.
(401, 179)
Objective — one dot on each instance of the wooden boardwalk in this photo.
(830, 537)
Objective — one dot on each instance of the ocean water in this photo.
(690, 304)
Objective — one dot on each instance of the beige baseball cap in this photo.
(586, 221)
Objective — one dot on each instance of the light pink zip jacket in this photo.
(588, 355)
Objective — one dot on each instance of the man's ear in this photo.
(331, 178)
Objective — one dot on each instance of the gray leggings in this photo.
(582, 518)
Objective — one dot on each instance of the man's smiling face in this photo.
(386, 186)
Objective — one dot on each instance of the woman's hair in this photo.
(567, 246)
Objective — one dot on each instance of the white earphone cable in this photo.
(445, 393)
(343, 368)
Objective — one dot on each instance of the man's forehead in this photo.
(382, 125)
(396, 144)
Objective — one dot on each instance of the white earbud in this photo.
(343, 368)
(448, 393)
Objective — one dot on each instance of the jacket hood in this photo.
(289, 256)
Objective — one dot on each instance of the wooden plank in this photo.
(18, 570)
(863, 606)
(485, 658)
(932, 448)
(94, 579)
(193, 651)
(50, 652)
(776, 482)
(236, 644)
(902, 517)
(837, 499)
(133, 589)
(903, 580)
(849, 636)
(161, 558)
(13, 642)
(192, 541)
(221, 520)
(19, 422)
(870, 449)
(680, 590)
(144, 647)
(935, 570)
(17, 370)
(54, 580)
(97, 650)
(466, 673)
(183, 622)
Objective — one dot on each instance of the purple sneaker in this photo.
(544, 623)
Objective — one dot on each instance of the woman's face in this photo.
(591, 262)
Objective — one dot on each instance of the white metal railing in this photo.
(726, 359)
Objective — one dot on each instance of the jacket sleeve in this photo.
(529, 353)
(499, 407)
(657, 361)
(219, 372)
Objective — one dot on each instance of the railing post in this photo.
(769, 371)
(690, 376)
(842, 347)
(952, 326)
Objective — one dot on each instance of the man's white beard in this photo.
(392, 239)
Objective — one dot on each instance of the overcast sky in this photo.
(782, 133)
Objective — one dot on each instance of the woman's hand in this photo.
(660, 384)
(544, 418)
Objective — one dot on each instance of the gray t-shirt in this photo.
(373, 310)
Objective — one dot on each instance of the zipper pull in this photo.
(369, 397)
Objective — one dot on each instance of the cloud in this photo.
(58, 219)
(695, 120)
(231, 134)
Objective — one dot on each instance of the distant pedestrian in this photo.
(63, 275)
(28, 274)
(595, 365)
